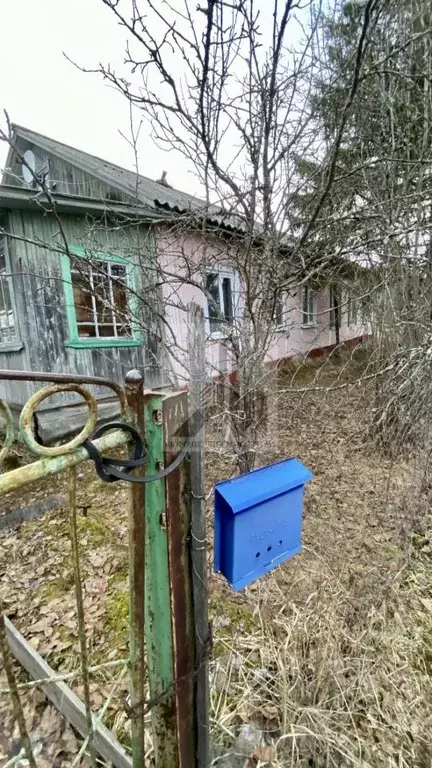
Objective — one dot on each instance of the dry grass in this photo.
(330, 655)
(327, 691)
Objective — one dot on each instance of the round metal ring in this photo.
(10, 432)
(26, 420)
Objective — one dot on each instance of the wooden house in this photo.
(104, 225)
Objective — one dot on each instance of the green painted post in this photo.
(134, 393)
(159, 638)
(150, 601)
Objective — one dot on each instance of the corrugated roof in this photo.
(150, 193)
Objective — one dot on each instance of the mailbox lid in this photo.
(261, 484)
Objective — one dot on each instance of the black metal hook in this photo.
(105, 465)
(108, 468)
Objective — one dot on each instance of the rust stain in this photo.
(178, 517)
(10, 431)
(26, 422)
(61, 382)
(29, 473)
(134, 393)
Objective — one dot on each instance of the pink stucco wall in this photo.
(180, 261)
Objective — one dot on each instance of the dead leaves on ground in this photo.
(37, 590)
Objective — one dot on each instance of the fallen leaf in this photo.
(69, 741)
(49, 721)
(268, 711)
(427, 602)
(96, 700)
(42, 625)
(265, 754)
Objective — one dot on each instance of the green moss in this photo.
(392, 551)
(420, 541)
(95, 531)
(57, 587)
(239, 615)
(117, 614)
(120, 575)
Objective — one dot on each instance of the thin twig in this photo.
(80, 608)
(16, 701)
(66, 675)
(97, 719)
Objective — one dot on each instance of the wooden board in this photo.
(65, 700)
(15, 517)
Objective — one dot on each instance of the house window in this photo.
(9, 336)
(308, 306)
(98, 292)
(352, 311)
(220, 299)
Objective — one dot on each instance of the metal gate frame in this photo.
(168, 640)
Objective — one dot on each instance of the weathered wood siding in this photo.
(41, 305)
(65, 178)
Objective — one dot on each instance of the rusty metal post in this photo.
(150, 602)
(178, 517)
(134, 394)
(196, 348)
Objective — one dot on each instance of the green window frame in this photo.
(10, 338)
(82, 342)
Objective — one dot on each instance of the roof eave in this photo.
(18, 198)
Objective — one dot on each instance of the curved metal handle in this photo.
(108, 468)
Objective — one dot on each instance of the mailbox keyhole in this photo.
(269, 548)
(257, 554)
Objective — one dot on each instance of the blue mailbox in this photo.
(258, 519)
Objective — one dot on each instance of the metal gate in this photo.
(169, 638)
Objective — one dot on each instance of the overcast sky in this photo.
(41, 90)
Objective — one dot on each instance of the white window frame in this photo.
(222, 274)
(310, 315)
(351, 302)
(16, 344)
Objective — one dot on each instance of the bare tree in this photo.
(223, 85)
(378, 212)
